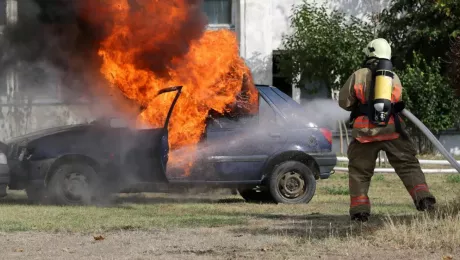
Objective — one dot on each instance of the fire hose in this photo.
(432, 138)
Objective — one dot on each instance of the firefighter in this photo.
(373, 96)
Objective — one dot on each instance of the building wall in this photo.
(260, 26)
(265, 22)
(255, 28)
(18, 118)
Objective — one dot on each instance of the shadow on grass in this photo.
(120, 200)
(317, 226)
(132, 199)
(13, 199)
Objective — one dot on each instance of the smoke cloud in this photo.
(56, 42)
(178, 33)
(324, 113)
(66, 35)
(50, 44)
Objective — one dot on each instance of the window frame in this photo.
(232, 22)
(212, 125)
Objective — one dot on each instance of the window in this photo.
(218, 11)
(267, 115)
(227, 120)
(280, 81)
(2, 13)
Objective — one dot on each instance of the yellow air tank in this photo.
(383, 88)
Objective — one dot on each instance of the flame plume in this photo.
(153, 44)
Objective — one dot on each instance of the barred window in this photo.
(218, 11)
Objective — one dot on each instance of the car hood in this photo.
(41, 133)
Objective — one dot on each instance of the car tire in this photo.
(74, 183)
(251, 195)
(292, 182)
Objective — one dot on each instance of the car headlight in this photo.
(3, 159)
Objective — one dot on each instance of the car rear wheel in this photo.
(73, 183)
(292, 182)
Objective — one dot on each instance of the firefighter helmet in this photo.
(378, 48)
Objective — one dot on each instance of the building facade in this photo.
(259, 25)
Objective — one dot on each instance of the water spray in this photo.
(432, 138)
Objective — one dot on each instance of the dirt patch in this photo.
(203, 243)
(212, 226)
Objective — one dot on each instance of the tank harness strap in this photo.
(396, 108)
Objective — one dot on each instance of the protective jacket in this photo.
(356, 92)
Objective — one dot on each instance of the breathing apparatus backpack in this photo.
(379, 107)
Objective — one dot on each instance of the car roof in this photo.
(290, 102)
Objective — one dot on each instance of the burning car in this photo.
(267, 156)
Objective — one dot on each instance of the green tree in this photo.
(423, 26)
(454, 65)
(428, 96)
(324, 47)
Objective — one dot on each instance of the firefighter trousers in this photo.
(401, 155)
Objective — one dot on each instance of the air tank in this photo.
(383, 89)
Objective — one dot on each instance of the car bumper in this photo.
(326, 163)
(4, 179)
(25, 173)
(4, 174)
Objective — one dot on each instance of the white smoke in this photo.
(324, 112)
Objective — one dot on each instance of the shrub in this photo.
(323, 47)
(429, 97)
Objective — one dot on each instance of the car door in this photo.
(239, 147)
(147, 150)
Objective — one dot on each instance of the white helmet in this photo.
(378, 48)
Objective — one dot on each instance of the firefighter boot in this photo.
(360, 217)
(425, 204)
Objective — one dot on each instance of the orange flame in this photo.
(210, 69)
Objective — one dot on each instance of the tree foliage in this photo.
(454, 65)
(427, 94)
(423, 26)
(323, 47)
(326, 47)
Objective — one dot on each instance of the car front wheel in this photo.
(73, 183)
(292, 182)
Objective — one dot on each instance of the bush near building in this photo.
(327, 47)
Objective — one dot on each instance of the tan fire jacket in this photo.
(355, 90)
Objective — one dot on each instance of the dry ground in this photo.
(222, 226)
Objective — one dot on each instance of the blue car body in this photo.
(236, 152)
(248, 151)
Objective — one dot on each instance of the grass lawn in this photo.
(322, 223)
